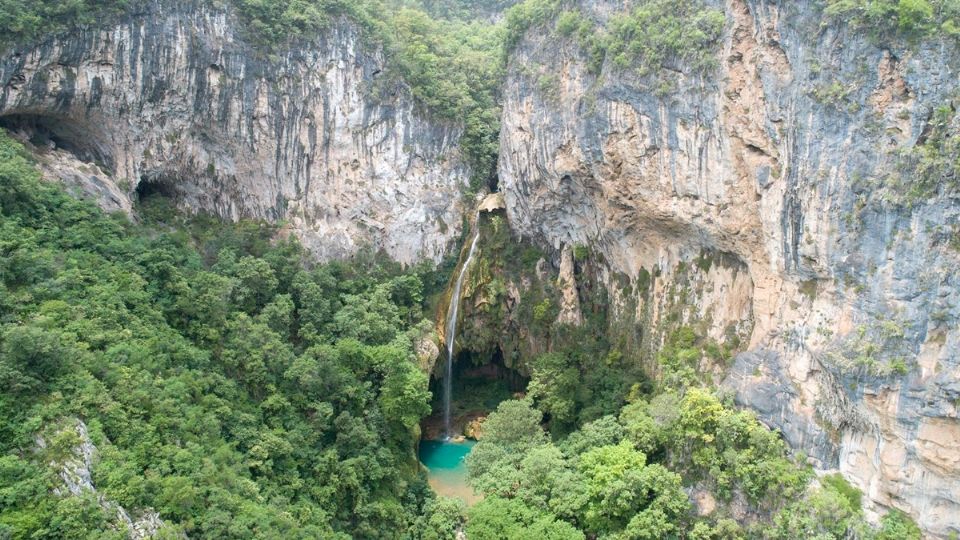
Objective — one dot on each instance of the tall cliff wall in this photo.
(773, 163)
(751, 202)
(317, 136)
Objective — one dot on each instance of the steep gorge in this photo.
(748, 202)
(751, 162)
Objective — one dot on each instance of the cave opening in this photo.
(494, 183)
(150, 188)
(481, 380)
(49, 132)
(155, 199)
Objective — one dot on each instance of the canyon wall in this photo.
(752, 202)
(175, 100)
(777, 163)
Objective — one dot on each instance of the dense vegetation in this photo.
(679, 34)
(624, 477)
(908, 20)
(596, 450)
(25, 20)
(575, 372)
(236, 391)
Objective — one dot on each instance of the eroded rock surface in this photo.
(175, 101)
(75, 468)
(775, 164)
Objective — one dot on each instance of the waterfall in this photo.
(451, 332)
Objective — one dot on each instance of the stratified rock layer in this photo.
(763, 179)
(315, 136)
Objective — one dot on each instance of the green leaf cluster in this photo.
(933, 164)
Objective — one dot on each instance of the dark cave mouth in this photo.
(55, 132)
(149, 188)
(480, 382)
(493, 184)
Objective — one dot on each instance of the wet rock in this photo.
(474, 428)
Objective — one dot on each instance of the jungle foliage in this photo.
(628, 476)
(227, 384)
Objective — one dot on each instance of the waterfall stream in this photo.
(451, 332)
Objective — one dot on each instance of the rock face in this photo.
(75, 468)
(174, 100)
(774, 165)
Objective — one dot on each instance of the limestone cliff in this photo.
(175, 100)
(773, 163)
(751, 201)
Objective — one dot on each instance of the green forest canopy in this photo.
(230, 386)
(243, 393)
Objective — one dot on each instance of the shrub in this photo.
(909, 20)
(660, 32)
(840, 484)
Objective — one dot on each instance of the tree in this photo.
(255, 283)
(495, 518)
(404, 397)
(515, 425)
(442, 517)
(370, 317)
(824, 513)
(30, 355)
(254, 353)
(897, 525)
(642, 430)
(625, 493)
(553, 384)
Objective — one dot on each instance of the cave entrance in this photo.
(48, 132)
(480, 382)
(494, 183)
(156, 199)
(148, 188)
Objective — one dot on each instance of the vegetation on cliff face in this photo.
(909, 20)
(453, 65)
(243, 393)
(453, 62)
(649, 36)
(26, 20)
(226, 384)
(934, 162)
(576, 373)
(626, 456)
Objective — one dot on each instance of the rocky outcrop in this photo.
(74, 466)
(474, 428)
(567, 283)
(175, 101)
(775, 162)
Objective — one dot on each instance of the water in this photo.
(446, 471)
(451, 332)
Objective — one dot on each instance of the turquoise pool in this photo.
(446, 471)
